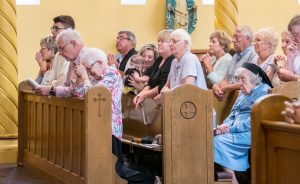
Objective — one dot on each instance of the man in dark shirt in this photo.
(125, 44)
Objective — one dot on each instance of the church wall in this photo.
(98, 21)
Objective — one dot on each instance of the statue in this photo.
(181, 14)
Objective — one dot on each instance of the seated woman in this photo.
(233, 138)
(94, 70)
(265, 43)
(139, 77)
(185, 68)
(45, 59)
(160, 69)
(218, 60)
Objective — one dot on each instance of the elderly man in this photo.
(71, 48)
(185, 68)
(292, 73)
(245, 53)
(125, 45)
(60, 65)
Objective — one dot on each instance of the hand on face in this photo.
(40, 60)
(81, 72)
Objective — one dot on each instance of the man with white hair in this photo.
(245, 53)
(185, 68)
(71, 48)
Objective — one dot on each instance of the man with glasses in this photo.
(125, 44)
(60, 65)
(71, 48)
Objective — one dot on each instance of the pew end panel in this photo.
(266, 108)
(188, 135)
(67, 139)
(290, 89)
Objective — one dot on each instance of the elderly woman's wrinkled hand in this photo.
(80, 70)
(292, 112)
(223, 128)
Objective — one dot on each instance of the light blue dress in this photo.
(231, 149)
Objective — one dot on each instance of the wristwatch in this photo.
(52, 91)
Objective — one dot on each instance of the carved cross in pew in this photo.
(99, 99)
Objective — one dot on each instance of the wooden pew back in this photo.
(290, 89)
(67, 139)
(275, 153)
(187, 135)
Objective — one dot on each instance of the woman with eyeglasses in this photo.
(45, 59)
(160, 69)
(94, 70)
(232, 139)
(185, 68)
(218, 60)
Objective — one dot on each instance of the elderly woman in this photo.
(218, 60)
(94, 70)
(45, 59)
(138, 78)
(185, 68)
(233, 137)
(160, 69)
(265, 42)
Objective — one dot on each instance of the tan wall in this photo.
(99, 20)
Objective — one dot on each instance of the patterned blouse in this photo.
(112, 80)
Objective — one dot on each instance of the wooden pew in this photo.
(187, 136)
(290, 89)
(68, 140)
(275, 153)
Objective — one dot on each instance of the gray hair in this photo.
(91, 55)
(269, 35)
(130, 35)
(69, 35)
(183, 36)
(254, 79)
(245, 31)
(49, 42)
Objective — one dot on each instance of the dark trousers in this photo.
(131, 173)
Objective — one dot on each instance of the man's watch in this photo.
(52, 92)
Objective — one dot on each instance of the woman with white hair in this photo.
(265, 43)
(185, 68)
(94, 70)
(232, 139)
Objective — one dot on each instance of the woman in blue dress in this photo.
(233, 138)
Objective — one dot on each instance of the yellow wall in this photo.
(98, 21)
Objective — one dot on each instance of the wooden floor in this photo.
(11, 174)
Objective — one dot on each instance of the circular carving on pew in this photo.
(188, 110)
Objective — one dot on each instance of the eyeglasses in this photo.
(120, 38)
(56, 28)
(174, 42)
(61, 49)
